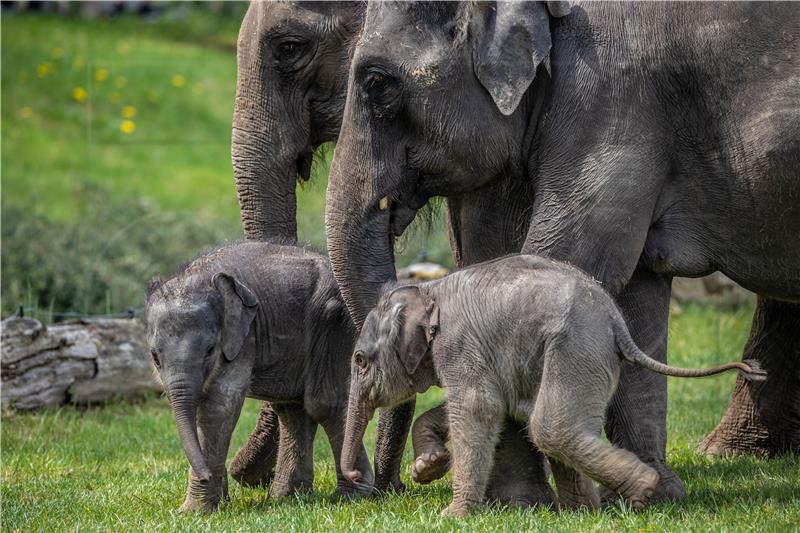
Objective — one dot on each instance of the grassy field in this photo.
(116, 166)
(121, 467)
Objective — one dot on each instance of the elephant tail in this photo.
(751, 369)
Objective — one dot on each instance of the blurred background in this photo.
(116, 153)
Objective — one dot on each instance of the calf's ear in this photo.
(509, 41)
(239, 310)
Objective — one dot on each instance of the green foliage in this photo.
(101, 263)
(121, 467)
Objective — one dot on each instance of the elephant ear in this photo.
(510, 40)
(411, 325)
(239, 310)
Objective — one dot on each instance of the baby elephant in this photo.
(522, 336)
(259, 320)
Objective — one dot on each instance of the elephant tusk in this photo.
(383, 203)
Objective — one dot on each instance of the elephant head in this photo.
(438, 104)
(292, 70)
(391, 362)
(197, 332)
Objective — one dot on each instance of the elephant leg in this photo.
(295, 466)
(428, 436)
(637, 414)
(575, 490)
(519, 476)
(390, 440)
(254, 463)
(475, 425)
(763, 418)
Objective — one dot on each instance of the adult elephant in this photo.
(658, 140)
(293, 59)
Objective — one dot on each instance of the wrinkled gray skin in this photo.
(522, 336)
(258, 320)
(659, 140)
(293, 59)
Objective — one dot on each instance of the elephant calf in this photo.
(259, 320)
(522, 336)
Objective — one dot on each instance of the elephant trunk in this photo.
(359, 413)
(184, 400)
(269, 146)
(360, 245)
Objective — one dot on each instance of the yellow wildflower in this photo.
(79, 94)
(114, 97)
(26, 112)
(57, 53)
(178, 80)
(43, 69)
(128, 111)
(100, 74)
(78, 63)
(120, 82)
(127, 127)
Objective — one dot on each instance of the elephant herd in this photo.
(634, 141)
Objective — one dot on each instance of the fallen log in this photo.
(79, 362)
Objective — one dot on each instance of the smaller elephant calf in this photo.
(523, 336)
(260, 320)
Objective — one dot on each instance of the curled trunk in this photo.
(358, 416)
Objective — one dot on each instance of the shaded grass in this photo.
(121, 467)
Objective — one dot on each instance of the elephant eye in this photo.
(381, 88)
(156, 362)
(288, 54)
(360, 360)
(210, 350)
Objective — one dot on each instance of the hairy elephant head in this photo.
(293, 59)
(391, 363)
(197, 327)
(438, 104)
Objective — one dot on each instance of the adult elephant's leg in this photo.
(764, 418)
(637, 416)
(519, 476)
(391, 434)
(254, 464)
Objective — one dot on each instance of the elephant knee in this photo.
(549, 438)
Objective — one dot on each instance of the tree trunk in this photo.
(763, 418)
(81, 362)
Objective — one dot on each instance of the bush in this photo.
(101, 264)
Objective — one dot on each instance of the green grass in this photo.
(121, 467)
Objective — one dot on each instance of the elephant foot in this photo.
(205, 496)
(430, 466)
(639, 490)
(254, 464)
(280, 489)
(670, 487)
(457, 510)
(522, 494)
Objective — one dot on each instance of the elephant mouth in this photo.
(303, 164)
